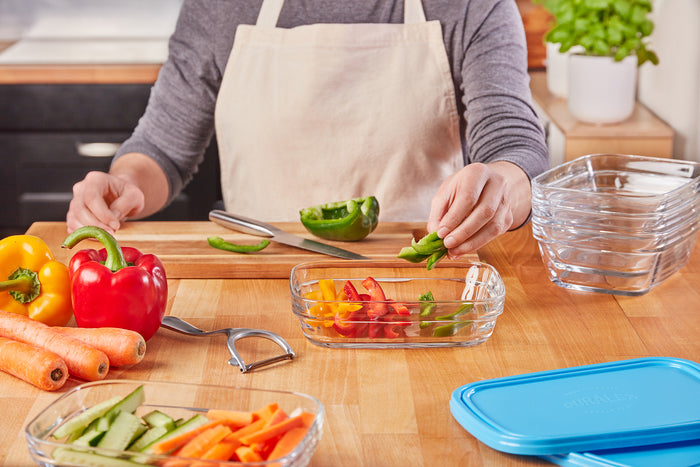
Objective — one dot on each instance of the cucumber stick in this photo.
(192, 423)
(129, 404)
(147, 438)
(124, 429)
(90, 459)
(158, 418)
(86, 417)
(189, 424)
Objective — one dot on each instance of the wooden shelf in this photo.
(642, 134)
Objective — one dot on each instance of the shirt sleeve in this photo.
(500, 121)
(178, 123)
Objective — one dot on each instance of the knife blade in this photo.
(261, 229)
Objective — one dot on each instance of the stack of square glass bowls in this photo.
(616, 223)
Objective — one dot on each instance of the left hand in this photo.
(478, 203)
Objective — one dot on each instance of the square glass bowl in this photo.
(617, 183)
(178, 400)
(467, 297)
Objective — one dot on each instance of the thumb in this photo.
(129, 204)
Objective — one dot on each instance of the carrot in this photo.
(264, 447)
(247, 454)
(222, 451)
(248, 429)
(43, 369)
(276, 417)
(288, 442)
(265, 412)
(122, 346)
(204, 441)
(82, 360)
(276, 429)
(201, 443)
(169, 445)
(231, 418)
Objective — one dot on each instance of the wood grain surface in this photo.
(389, 407)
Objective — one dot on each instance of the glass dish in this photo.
(468, 297)
(619, 183)
(656, 224)
(619, 273)
(177, 400)
(611, 240)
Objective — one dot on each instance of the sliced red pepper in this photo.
(378, 307)
(400, 308)
(351, 292)
(353, 325)
(344, 327)
(375, 330)
(391, 331)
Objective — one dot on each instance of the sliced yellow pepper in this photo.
(37, 285)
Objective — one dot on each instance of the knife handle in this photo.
(242, 224)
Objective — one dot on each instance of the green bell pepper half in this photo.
(345, 221)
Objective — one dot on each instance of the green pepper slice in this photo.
(430, 248)
(345, 221)
(221, 244)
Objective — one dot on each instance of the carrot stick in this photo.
(198, 445)
(288, 442)
(248, 429)
(177, 442)
(265, 412)
(83, 361)
(222, 451)
(231, 418)
(122, 346)
(246, 454)
(204, 441)
(43, 369)
(273, 430)
(264, 447)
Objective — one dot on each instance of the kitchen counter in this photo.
(79, 73)
(384, 407)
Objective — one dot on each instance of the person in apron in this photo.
(330, 111)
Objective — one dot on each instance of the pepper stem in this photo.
(23, 285)
(115, 258)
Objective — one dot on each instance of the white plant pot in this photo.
(602, 90)
(558, 68)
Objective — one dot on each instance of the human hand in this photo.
(477, 204)
(103, 200)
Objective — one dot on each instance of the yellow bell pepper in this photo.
(37, 285)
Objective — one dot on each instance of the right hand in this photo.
(104, 200)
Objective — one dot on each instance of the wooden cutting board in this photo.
(183, 247)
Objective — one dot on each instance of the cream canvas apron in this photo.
(327, 112)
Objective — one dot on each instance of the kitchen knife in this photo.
(253, 227)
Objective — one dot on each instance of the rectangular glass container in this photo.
(467, 299)
(178, 400)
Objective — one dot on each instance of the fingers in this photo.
(102, 200)
(471, 208)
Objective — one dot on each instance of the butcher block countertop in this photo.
(384, 407)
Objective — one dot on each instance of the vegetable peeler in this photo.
(176, 324)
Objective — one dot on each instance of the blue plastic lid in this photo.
(612, 405)
(681, 454)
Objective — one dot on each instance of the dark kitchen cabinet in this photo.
(44, 133)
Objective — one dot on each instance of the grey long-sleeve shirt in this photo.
(485, 44)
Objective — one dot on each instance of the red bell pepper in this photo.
(351, 292)
(115, 286)
(378, 307)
